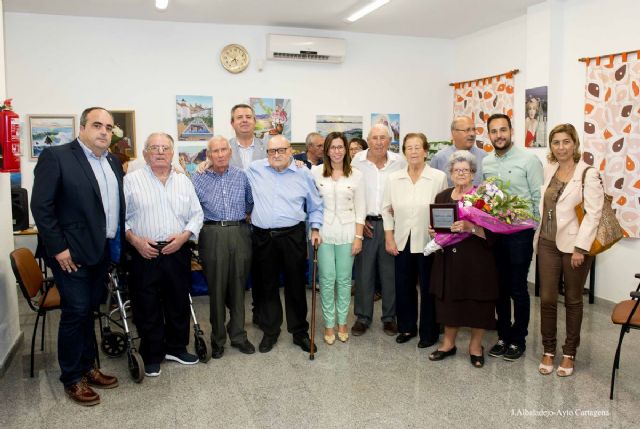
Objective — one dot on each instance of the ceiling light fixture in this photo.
(162, 4)
(365, 10)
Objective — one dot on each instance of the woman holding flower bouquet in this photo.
(562, 243)
(464, 277)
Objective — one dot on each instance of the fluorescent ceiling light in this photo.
(366, 10)
(162, 4)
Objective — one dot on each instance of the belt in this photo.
(277, 231)
(225, 222)
(377, 217)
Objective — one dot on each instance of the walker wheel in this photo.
(203, 348)
(113, 344)
(136, 366)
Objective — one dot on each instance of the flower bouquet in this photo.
(492, 207)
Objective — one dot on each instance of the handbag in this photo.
(609, 231)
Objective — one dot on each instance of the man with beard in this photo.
(523, 171)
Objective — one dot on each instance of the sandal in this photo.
(477, 361)
(565, 372)
(546, 369)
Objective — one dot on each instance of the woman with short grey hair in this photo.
(463, 156)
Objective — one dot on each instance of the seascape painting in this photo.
(351, 126)
(50, 130)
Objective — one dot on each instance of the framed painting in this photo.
(49, 130)
(123, 139)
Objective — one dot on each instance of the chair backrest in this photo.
(27, 272)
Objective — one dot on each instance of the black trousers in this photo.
(159, 290)
(274, 251)
(411, 269)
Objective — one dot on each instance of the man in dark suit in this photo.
(78, 205)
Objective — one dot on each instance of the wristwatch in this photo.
(473, 230)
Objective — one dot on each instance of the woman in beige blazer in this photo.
(562, 243)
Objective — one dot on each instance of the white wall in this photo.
(9, 323)
(568, 30)
(60, 64)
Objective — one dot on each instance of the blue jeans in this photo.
(80, 295)
(513, 254)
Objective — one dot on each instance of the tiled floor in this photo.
(370, 381)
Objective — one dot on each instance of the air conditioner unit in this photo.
(302, 48)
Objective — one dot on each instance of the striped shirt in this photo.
(156, 210)
(225, 196)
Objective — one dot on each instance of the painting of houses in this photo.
(194, 116)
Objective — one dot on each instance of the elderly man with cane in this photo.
(280, 191)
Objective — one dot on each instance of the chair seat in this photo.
(621, 313)
(52, 299)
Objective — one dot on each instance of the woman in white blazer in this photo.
(562, 243)
(405, 213)
(342, 191)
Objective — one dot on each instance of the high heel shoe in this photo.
(546, 369)
(343, 336)
(565, 372)
(330, 339)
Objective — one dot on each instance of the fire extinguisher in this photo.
(9, 139)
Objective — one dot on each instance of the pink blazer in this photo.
(570, 233)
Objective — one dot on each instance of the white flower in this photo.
(431, 247)
(117, 131)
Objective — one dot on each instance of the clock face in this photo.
(234, 58)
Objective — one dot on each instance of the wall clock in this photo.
(234, 58)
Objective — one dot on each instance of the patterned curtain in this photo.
(480, 99)
(612, 132)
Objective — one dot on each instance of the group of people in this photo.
(258, 213)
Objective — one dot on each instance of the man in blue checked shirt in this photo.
(225, 244)
(280, 191)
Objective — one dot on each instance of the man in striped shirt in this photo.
(225, 244)
(163, 213)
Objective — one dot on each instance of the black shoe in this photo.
(216, 351)
(403, 338)
(440, 354)
(304, 343)
(498, 349)
(513, 352)
(245, 347)
(477, 361)
(422, 344)
(358, 328)
(267, 343)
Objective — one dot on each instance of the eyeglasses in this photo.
(158, 149)
(467, 130)
(461, 171)
(278, 150)
(336, 148)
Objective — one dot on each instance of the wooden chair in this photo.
(627, 315)
(40, 293)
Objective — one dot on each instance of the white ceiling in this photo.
(424, 18)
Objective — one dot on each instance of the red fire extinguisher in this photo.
(9, 139)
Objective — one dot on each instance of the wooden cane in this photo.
(313, 301)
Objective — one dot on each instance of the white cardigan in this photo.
(410, 203)
(343, 200)
(570, 233)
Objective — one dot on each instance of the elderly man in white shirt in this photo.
(375, 163)
(163, 213)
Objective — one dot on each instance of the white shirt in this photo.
(344, 204)
(156, 210)
(375, 178)
(410, 203)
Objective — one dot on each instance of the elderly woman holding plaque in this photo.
(405, 213)
(464, 279)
